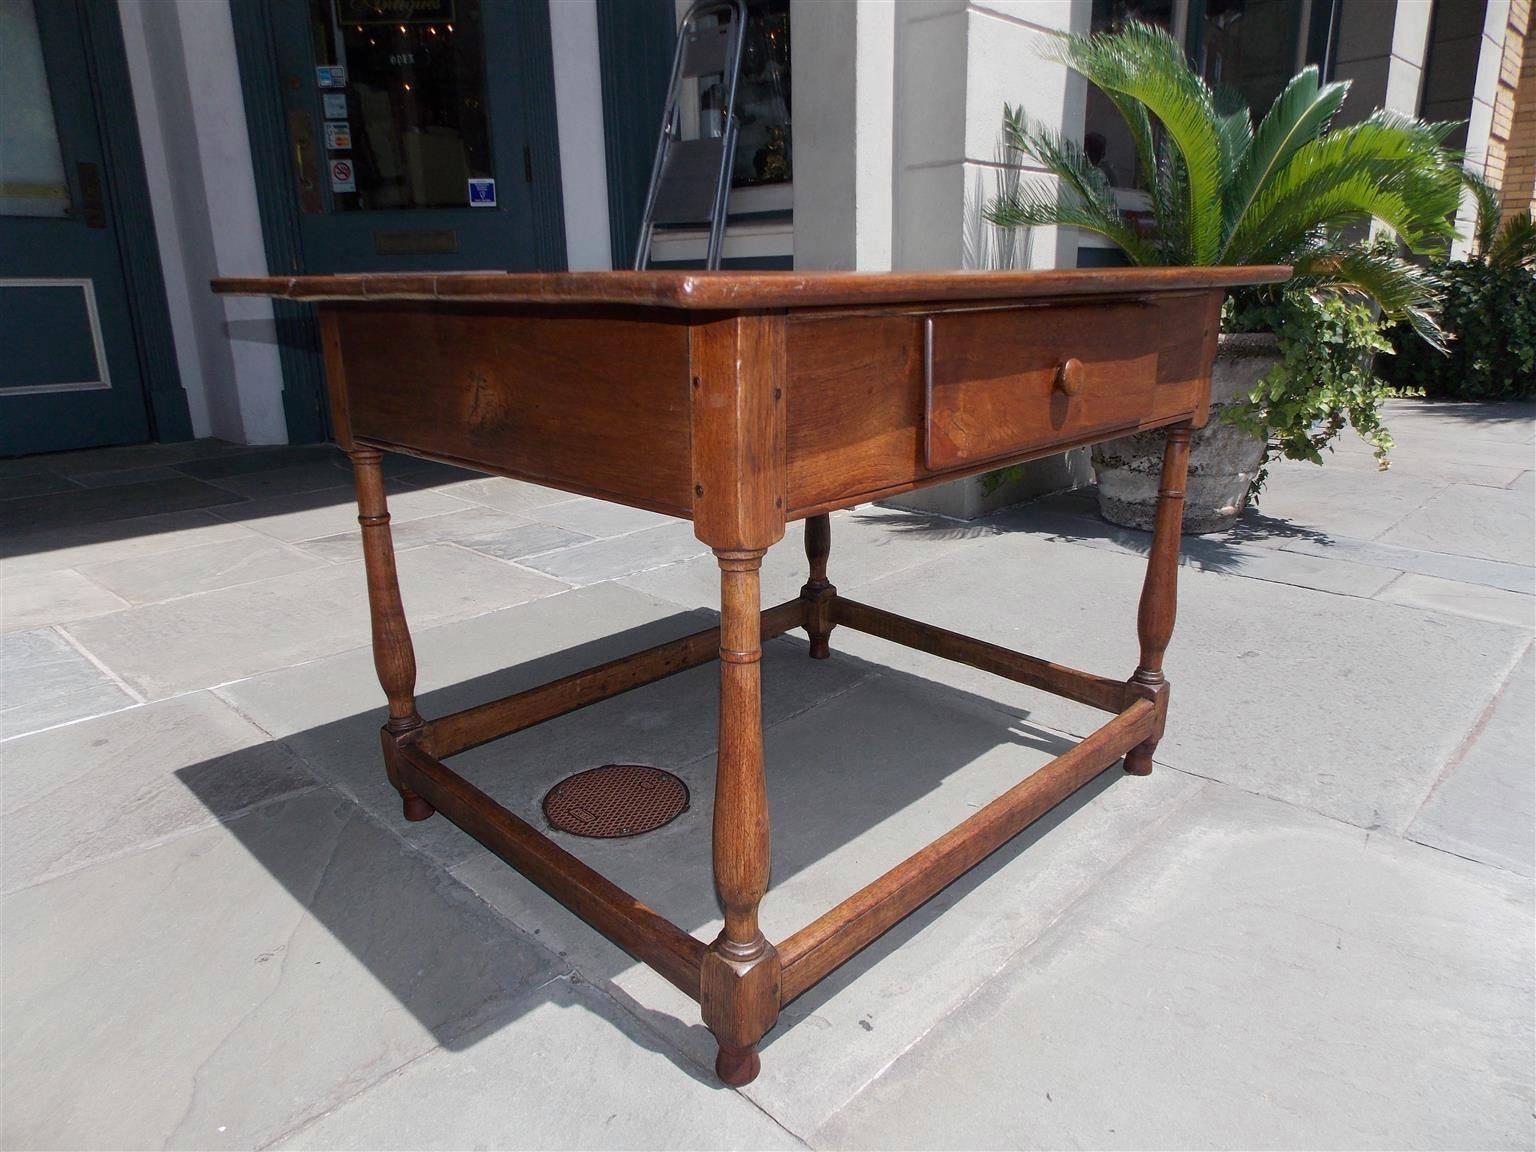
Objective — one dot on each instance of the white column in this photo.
(579, 118)
(842, 132)
(202, 187)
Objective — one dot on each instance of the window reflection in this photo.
(414, 99)
(1252, 47)
(763, 145)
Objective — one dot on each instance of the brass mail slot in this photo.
(415, 242)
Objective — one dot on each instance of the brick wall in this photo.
(1511, 162)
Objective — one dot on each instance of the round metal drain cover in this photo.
(615, 800)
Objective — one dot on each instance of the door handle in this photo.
(93, 204)
(301, 137)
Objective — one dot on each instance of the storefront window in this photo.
(407, 108)
(763, 152)
(1252, 47)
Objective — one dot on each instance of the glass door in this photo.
(69, 369)
(407, 124)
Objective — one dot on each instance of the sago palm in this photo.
(1223, 190)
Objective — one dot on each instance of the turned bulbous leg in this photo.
(1159, 593)
(818, 592)
(739, 976)
(393, 656)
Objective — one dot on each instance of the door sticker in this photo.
(342, 177)
(331, 75)
(338, 136)
(335, 105)
(482, 193)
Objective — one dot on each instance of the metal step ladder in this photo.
(691, 179)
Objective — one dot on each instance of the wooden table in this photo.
(742, 401)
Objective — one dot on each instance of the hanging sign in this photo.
(335, 105)
(342, 177)
(394, 11)
(338, 136)
(331, 75)
(482, 193)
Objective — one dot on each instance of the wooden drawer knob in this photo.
(1069, 377)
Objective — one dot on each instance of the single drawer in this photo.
(1014, 382)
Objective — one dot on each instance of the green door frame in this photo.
(127, 191)
(304, 404)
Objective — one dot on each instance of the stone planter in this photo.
(1222, 458)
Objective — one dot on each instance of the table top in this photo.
(740, 291)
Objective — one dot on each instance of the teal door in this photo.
(411, 132)
(69, 367)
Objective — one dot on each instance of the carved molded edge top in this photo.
(741, 291)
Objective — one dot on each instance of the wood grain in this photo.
(597, 402)
(996, 383)
(737, 395)
(742, 291)
(394, 658)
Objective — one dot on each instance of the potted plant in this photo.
(1291, 189)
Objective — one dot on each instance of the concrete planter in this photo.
(1222, 458)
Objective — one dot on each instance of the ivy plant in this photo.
(1326, 378)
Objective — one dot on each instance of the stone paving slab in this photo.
(515, 496)
(1253, 977)
(226, 987)
(457, 526)
(93, 505)
(330, 710)
(37, 484)
(45, 680)
(855, 787)
(1473, 521)
(54, 549)
(29, 599)
(1519, 578)
(621, 555)
(123, 476)
(1274, 689)
(95, 790)
(1070, 518)
(1484, 807)
(1481, 603)
(331, 511)
(201, 568)
(1338, 501)
(124, 456)
(599, 518)
(571, 1070)
(208, 639)
(523, 541)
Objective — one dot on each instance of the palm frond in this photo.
(1402, 289)
(1147, 65)
(1515, 244)
(1302, 112)
(1042, 204)
(1486, 197)
(1388, 168)
(1083, 198)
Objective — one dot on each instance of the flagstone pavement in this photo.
(1311, 927)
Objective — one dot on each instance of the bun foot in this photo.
(737, 1066)
(416, 809)
(1138, 762)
